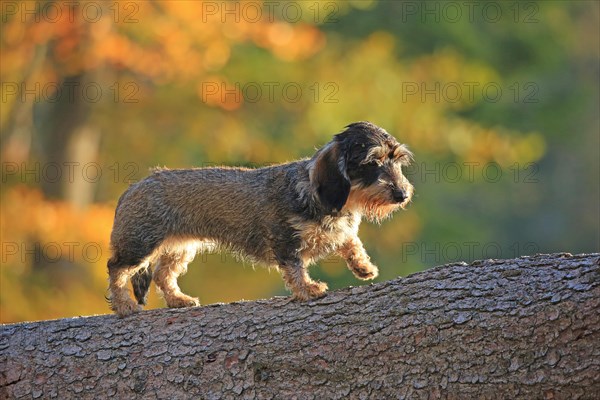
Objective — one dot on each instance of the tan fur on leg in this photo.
(168, 268)
(358, 260)
(120, 300)
(300, 284)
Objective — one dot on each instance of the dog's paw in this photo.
(317, 289)
(312, 290)
(126, 308)
(181, 301)
(365, 272)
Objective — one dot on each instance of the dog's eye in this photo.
(373, 163)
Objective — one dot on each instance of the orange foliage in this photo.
(165, 41)
(41, 242)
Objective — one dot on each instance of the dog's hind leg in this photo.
(119, 274)
(170, 266)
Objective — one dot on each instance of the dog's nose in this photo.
(399, 195)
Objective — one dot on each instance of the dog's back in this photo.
(230, 206)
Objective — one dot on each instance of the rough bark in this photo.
(523, 328)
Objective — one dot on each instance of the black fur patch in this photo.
(333, 187)
(141, 283)
(356, 141)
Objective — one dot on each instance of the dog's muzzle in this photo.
(399, 195)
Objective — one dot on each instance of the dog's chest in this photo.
(318, 239)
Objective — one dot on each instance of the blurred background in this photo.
(499, 101)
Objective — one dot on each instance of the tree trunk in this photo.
(523, 328)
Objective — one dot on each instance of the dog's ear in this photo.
(329, 178)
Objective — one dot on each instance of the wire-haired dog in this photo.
(286, 215)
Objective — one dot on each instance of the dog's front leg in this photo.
(357, 259)
(299, 282)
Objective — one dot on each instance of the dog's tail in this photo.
(141, 283)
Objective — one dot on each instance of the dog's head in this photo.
(361, 170)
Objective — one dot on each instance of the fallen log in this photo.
(520, 328)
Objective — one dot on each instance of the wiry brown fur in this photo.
(285, 216)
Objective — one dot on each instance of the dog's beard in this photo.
(374, 203)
